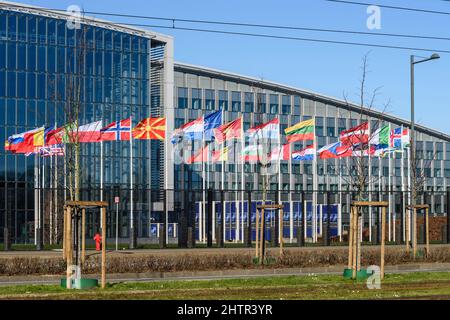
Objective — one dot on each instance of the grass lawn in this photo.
(412, 285)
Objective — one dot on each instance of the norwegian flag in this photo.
(118, 130)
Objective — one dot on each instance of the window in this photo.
(286, 104)
(261, 103)
(235, 101)
(319, 126)
(341, 125)
(249, 102)
(182, 98)
(273, 108)
(297, 100)
(331, 128)
(223, 100)
(210, 100)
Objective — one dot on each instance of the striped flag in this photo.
(268, 130)
(301, 131)
(307, 153)
(220, 155)
(251, 153)
(356, 135)
(228, 131)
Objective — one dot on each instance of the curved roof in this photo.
(60, 14)
(270, 85)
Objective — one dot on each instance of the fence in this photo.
(213, 217)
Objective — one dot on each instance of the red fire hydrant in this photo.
(98, 241)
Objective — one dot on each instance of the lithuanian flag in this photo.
(150, 129)
(301, 131)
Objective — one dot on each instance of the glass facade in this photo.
(39, 57)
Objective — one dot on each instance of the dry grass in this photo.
(192, 261)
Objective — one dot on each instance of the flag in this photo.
(220, 155)
(7, 145)
(27, 141)
(280, 153)
(301, 131)
(88, 133)
(268, 130)
(118, 130)
(201, 156)
(399, 139)
(335, 151)
(54, 150)
(228, 131)
(381, 137)
(191, 131)
(150, 129)
(251, 153)
(363, 150)
(307, 153)
(210, 122)
(60, 135)
(356, 135)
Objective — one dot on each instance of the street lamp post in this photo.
(413, 62)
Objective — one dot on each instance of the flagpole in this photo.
(291, 206)
(36, 196)
(101, 170)
(410, 185)
(403, 185)
(242, 179)
(201, 212)
(51, 200)
(340, 201)
(314, 206)
(370, 182)
(389, 192)
(132, 234)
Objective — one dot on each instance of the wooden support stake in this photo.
(350, 240)
(414, 239)
(103, 213)
(280, 230)
(383, 238)
(427, 230)
(257, 233)
(262, 243)
(407, 231)
(69, 246)
(358, 245)
(83, 235)
(355, 239)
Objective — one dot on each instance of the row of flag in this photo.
(356, 141)
(50, 140)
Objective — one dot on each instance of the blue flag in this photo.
(211, 121)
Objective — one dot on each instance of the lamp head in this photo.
(434, 56)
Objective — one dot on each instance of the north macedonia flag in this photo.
(150, 129)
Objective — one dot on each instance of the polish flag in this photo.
(89, 132)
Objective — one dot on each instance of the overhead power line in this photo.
(390, 7)
(210, 22)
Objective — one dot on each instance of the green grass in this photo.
(411, 285)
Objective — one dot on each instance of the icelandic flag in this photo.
(118, 130)
(399, 138)
(211, 121)
(304, 154)
(191, 131)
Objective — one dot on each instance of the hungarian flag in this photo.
(200, 156)
(118, 130)
(220, 155)
(251, 153)
(301, 131)
(356, 135)
(307, 153)
(228, 131)
(150, 129)
(282, 153)
(268, 130)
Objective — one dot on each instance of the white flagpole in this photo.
(51, 201)
(201, 212)
(291, 205)
(242, 180)
(389, 193)
(340, 201)
(410, 185)
(131, 182)
(36, 196)
(101, 175)
(403, 186)
(370, 182)
(314, 204)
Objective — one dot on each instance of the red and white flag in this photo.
(118, 130)
(356, 135)
(89, 132)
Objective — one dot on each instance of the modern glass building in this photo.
(130, 72)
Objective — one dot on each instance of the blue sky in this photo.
(324, 68)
